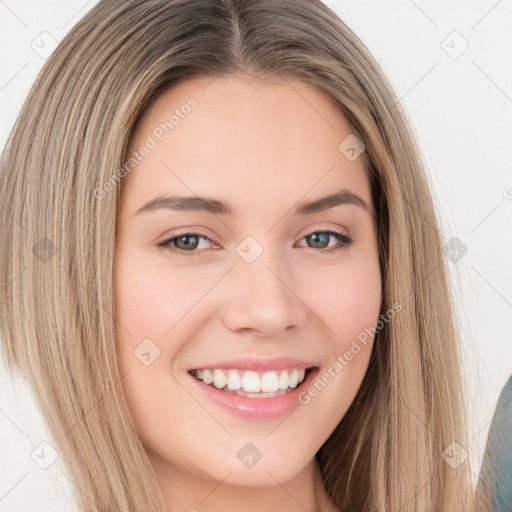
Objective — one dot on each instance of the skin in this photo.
(262, 148)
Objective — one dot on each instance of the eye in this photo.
(186, 244)
(321, 237)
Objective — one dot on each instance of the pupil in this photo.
(187, 238)
(323, 236)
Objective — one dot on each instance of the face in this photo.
(283, 287)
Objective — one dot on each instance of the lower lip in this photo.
(257, 408)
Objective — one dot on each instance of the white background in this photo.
(461, 111)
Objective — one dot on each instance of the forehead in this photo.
(240, 138)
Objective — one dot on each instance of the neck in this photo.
(187, 491)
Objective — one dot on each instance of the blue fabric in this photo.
(496, 470)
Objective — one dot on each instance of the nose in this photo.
(264, 299)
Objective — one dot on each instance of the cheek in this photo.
(357, 303)
(347, 300)
(152, 300)
(347, 303)
(348, 306)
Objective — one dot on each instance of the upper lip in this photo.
(258, 365)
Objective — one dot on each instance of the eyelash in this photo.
(346, 242)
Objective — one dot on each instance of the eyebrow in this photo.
(217, 207)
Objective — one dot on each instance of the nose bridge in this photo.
(264, 298)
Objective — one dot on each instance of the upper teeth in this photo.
(251, 381)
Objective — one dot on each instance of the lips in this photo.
(257, 365)
(256, 406)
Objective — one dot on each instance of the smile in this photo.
(256, 395)
(250, 383)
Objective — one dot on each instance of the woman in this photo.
(257, 371)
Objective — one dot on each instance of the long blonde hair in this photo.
(56, 306)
